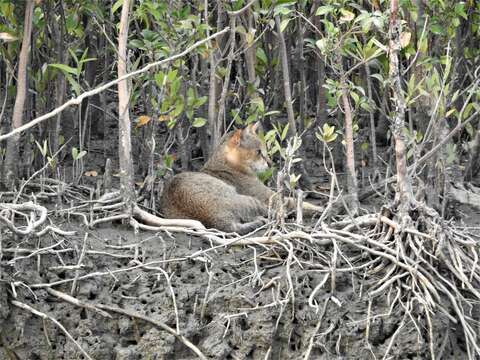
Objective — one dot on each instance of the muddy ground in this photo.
(231, 303)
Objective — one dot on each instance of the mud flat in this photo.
(240, 302)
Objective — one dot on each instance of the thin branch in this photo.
(157, 324)
(242, 10)
(78, 100)
(55, 321)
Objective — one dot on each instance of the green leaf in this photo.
(190, 97)
(322, 10)
(74, 56)
(410, 153)
(366, 106)
(346, 15)
(265, 175)
(436, 29)
(366, 24)
(81, 154)
(175, 86)
(200, 101)
(190, 93)
(281, 10)
(43, 149)
(87, 60)
(273, 112)
(74, 153)
(468, 110)
(249, 38)
(328, 130)
(327, 133)
(251, 118)
(418, 136)
(172, 74)
(460, 10)
(355, 97)
(284, 132)
(379, 77)
(423, 44)
(257, 102)
(74, 84)
(380, 45)
(116, 6)
(136, 43)
(64, 68)
(321, 44)
(51, 161)
(160, 78)
(241, 30)
(469, 129)
(179, 105)
(199, 122)
(284, 24)
(261, 55)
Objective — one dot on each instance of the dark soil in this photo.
(232, 303)
(229, 305)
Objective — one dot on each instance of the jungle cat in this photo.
(226, 193)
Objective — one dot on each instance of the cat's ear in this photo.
(235, 138)
(252, 128)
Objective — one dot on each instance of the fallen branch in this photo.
(158, 324)
(32, 222)
(74, 301)
(48, 317)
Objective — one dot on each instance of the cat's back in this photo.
(193, 191)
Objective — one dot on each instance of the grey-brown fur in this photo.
(225, 194)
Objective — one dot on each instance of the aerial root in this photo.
(34, 218)
(424, 264)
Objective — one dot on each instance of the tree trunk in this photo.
(124, 130)
(286, 79)
(226, 81)
(321, 109)
(212, 91)
(250, 53)
(212, 104)
(302, 93)
(292, 130)
(352, 186)
(60, 86)
(420, 111)
(404, 194)
(12, 157)
(373, 138)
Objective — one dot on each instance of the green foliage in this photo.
(326, 133)
(199, 122)
(44, 152)
(77, 155)
(74, 74)
(438, 51)
(43, 148)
